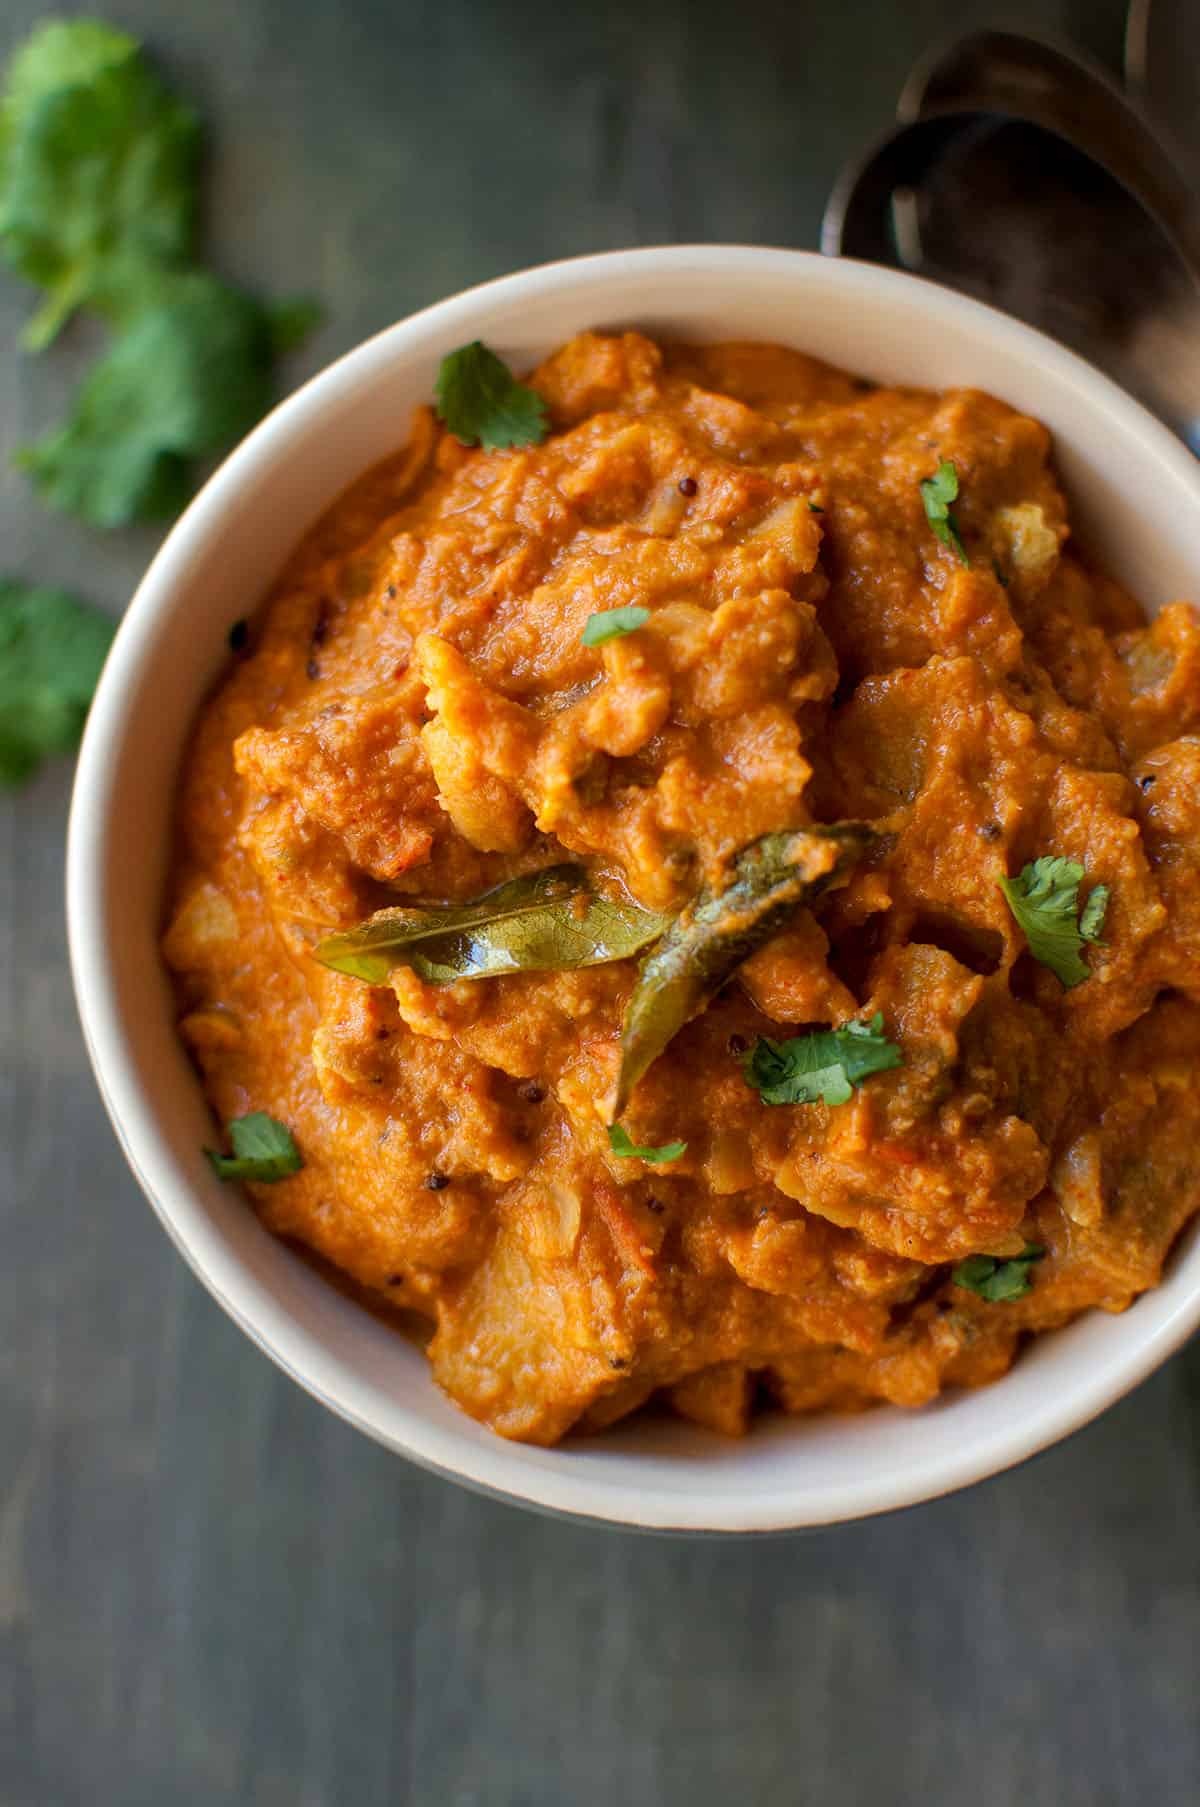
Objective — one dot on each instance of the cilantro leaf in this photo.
(59, 54)
(996, 1280)
(51, 649)
(480, 400)
(1044, 898)
(621, 1144)
(99, 164)
(98, 167)
(263, 1150)
(1091, 917)
(937, 493)
(290, 322)
(610, 624)
(826, 1064)
(189, 373)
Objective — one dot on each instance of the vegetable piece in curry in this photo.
(713, 937)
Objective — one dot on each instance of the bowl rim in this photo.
(504, 1470)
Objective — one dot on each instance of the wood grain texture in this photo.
(211, 1591)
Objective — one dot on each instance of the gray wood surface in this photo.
(211, 1591)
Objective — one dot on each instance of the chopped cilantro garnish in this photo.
(610, 624)
(1044, 898)
(481, 401)
(263, 1150)
(621, 1144)
(937, 493)
(828, 1063)
(51, 649)
(1091, 917)
(996, 1280)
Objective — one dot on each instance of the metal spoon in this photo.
(1161, 69)
(1024, 177)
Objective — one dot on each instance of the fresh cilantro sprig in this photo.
(99, 166)
(1044, 898)
(937, 493)
(482, 403)
(996, 1280)
(621, 1145)
(52, 646)
(611, 624)
(826, 1064)
(98, 169)
(190, 373)
(263, 1150)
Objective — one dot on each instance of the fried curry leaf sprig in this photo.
(1044, 898)
(549, 921)
(482, 403)
(769, 880)
(995, 1279)
(937, 493)
(99, 197)
(264, 1150)
(52, 647)
(554, 921)
(827, 1064)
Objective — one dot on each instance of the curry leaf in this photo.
(826, 1064)
(718, 931)
(610, 624)
(481, 401)
(996, 1280)
(548, 921)
(263, 1150)
(621, 1144)
(937, 493)
(1044, 898)
(51, 649)
(98, 166)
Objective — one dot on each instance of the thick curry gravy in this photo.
(415, 716)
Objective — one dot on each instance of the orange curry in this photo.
(420, 715)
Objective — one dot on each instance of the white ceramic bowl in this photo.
(1135, 495)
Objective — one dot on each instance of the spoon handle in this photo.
(1030, 79)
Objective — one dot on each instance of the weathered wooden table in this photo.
(212, 1591)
